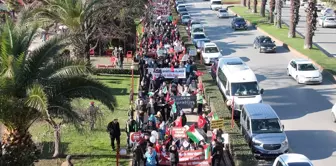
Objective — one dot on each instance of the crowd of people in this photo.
(157, 112)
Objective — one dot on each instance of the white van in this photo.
(216, 4)
(237, 82)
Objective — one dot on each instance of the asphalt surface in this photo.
(303, 109)
(325, 38)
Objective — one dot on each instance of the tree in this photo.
(39, 85)
(278, 13)
(272, 9)
(311, 24)
(243, 2)
(249, 4)
(255, 5)
(263, 7)
(294, 17)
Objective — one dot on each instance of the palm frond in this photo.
(37, 99)
(81, 87)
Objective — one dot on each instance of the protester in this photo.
(151, 157)
(184, 118)
(137, 155)
(199, 102)
(217, 153)
(114, 129)
(131, 126)
(174, 156)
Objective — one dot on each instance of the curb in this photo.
(325, 73)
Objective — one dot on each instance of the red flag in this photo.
(213, 136)
(171, 102)
(172, 68)
(199, 73)
(175, 57)
(178, 122)
(201, 121)
(192, 128)
(157, 147)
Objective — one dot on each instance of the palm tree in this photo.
(294, 16)
(311, 24)
(39, 85)
(263, 7)
(271, 12)
(255, 5)
(249, 4)
(278, 13)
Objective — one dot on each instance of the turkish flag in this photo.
(201, 121)
(192, 128)
(157, 147)
(178, 122)
(199, 73)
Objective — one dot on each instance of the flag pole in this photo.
(232, 113)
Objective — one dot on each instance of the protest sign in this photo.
(217, 124)
(185, 101)
(136, 137)
(179, 132)
(168, 73)
(187, 158)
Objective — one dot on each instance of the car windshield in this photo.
(211, 50)
(331, 19)
(306, 67)
(198, 30)
(260, 126)
(222, 11)
(217, 2)
(206, 41)
(240, 20)
(184, 13)
(299, 164)
(186, 17)
(245, 89)
(199, 36)
(182, 9)
(266, 40)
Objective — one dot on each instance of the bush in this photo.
(115, 71)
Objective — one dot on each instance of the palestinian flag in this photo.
(206, 151)
(194, 134)
(213, 115)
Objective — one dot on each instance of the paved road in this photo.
(304, 110)
(324, 37)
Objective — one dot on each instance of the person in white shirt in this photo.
(185, 91)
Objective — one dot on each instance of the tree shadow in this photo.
(47, 149)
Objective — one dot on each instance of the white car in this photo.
(216, 4)
(333, 113)
(327, 22)
(327, 12)
(210, 53)
(222, 13)
(304, 71)
(292, 159)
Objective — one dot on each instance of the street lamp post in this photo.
(132, 84)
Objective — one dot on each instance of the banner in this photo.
(168, 73)
(185, 101)
(217, 124)
(136, 137)
(187, 158)
(179, 132)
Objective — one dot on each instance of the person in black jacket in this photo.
(217, 153)
(174, 156)
(137, 155)
(114, 129)
(184, 118)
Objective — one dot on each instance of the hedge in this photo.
(240, 151)
(115, 71)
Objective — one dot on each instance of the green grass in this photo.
(329, 64)
(94, 147)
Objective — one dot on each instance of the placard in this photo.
(179, 132)
(185, 101)
(168, 73)
(136, 137)
(216, 124)
(187, 158)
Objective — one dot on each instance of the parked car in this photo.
(185, 19)
(197, 36)
(264, 44)
(177, 2)
(182, 9)
(333, 113)
(304, 71)
(328, 12)
(197, 28)
(327, 22)
(238, 23)
(222, 13)
(183, 13)
(181, 5)
(319, 7)
(216, 4)
(210, 53)
(292, 159)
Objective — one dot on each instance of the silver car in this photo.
(222, 13)
(328, 22)
(186, 19)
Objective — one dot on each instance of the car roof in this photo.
(294, 158)
(210, 45)
(199, 33)
(302, 61)
(260, 111)
(197, 26)
(236, 70)
(186, 15)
